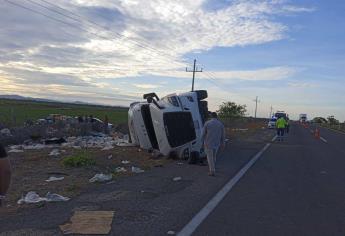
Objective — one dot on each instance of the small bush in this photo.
(79, 159)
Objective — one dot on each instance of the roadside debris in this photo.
(177, 179)
(171, 232)
(137, 170)
(89, 222)
(98, 140)
(54, 141)
(5, 132)
(15, 150)
(179, 163)
(120, 169)
(101, 178)
(54, 152)
(33, 197)
(238, 129)
(53, 178)
(125, 162)
(110, 156)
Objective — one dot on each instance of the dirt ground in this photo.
(32, 167)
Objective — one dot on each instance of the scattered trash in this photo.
(53, 197)
(139, 150)
(100, 178)
(177, 179)
(89, 222)
(15, 150)
(54, 152)
(238, 129)
(53, 178)
(34, 146)
(108, 147)
(125, 162)
(179, 163)
(171, 232)
(137, 170)
(33, 197)
(5, 132)
(156, 154)
(110, 156)
(120, 169)
(54, 141)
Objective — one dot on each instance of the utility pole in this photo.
(271, 112)
(256, 105)
(195, 69)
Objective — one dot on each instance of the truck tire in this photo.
(193, 158)
(201, 94)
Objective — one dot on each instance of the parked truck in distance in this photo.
(303, 118)
(172, 125)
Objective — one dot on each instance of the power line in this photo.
(118, 35)
(78, 27)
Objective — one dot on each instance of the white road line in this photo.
(323, 139)
(212, 204)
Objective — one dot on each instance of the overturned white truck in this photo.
(172, 125)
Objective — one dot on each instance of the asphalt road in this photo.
(297, 187)
(150, 203)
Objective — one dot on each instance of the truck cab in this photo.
(173, 125)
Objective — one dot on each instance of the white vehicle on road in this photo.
(173, 125)
(272, 123)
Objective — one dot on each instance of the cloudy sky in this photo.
(291, 54)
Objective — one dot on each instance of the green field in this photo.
(16, 112)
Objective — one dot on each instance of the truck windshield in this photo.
(179, 128)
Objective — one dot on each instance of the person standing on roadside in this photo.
(281, 125)
(213, 138)
(5, 174)
(287, 126)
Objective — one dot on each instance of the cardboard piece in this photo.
(89, 222)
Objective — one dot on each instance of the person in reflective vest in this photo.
(281, 125)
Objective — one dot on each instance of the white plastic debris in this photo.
(120, 169)
(15, 150)
(125, 162)
(179, 163)
(108, 147)
(34, 146)
(54, 152)
(53, 197)
(5, 132)
(53, 178)
(171, 232)
(33, 197)
(137, 170)
(110, 156)
(101, 178)
(177, 179)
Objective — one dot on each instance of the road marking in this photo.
(323, 139)
(212, 204)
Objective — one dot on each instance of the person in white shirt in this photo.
(213, 138)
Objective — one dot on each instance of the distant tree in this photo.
(332, 120)
(231, 110)
(319, 120)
